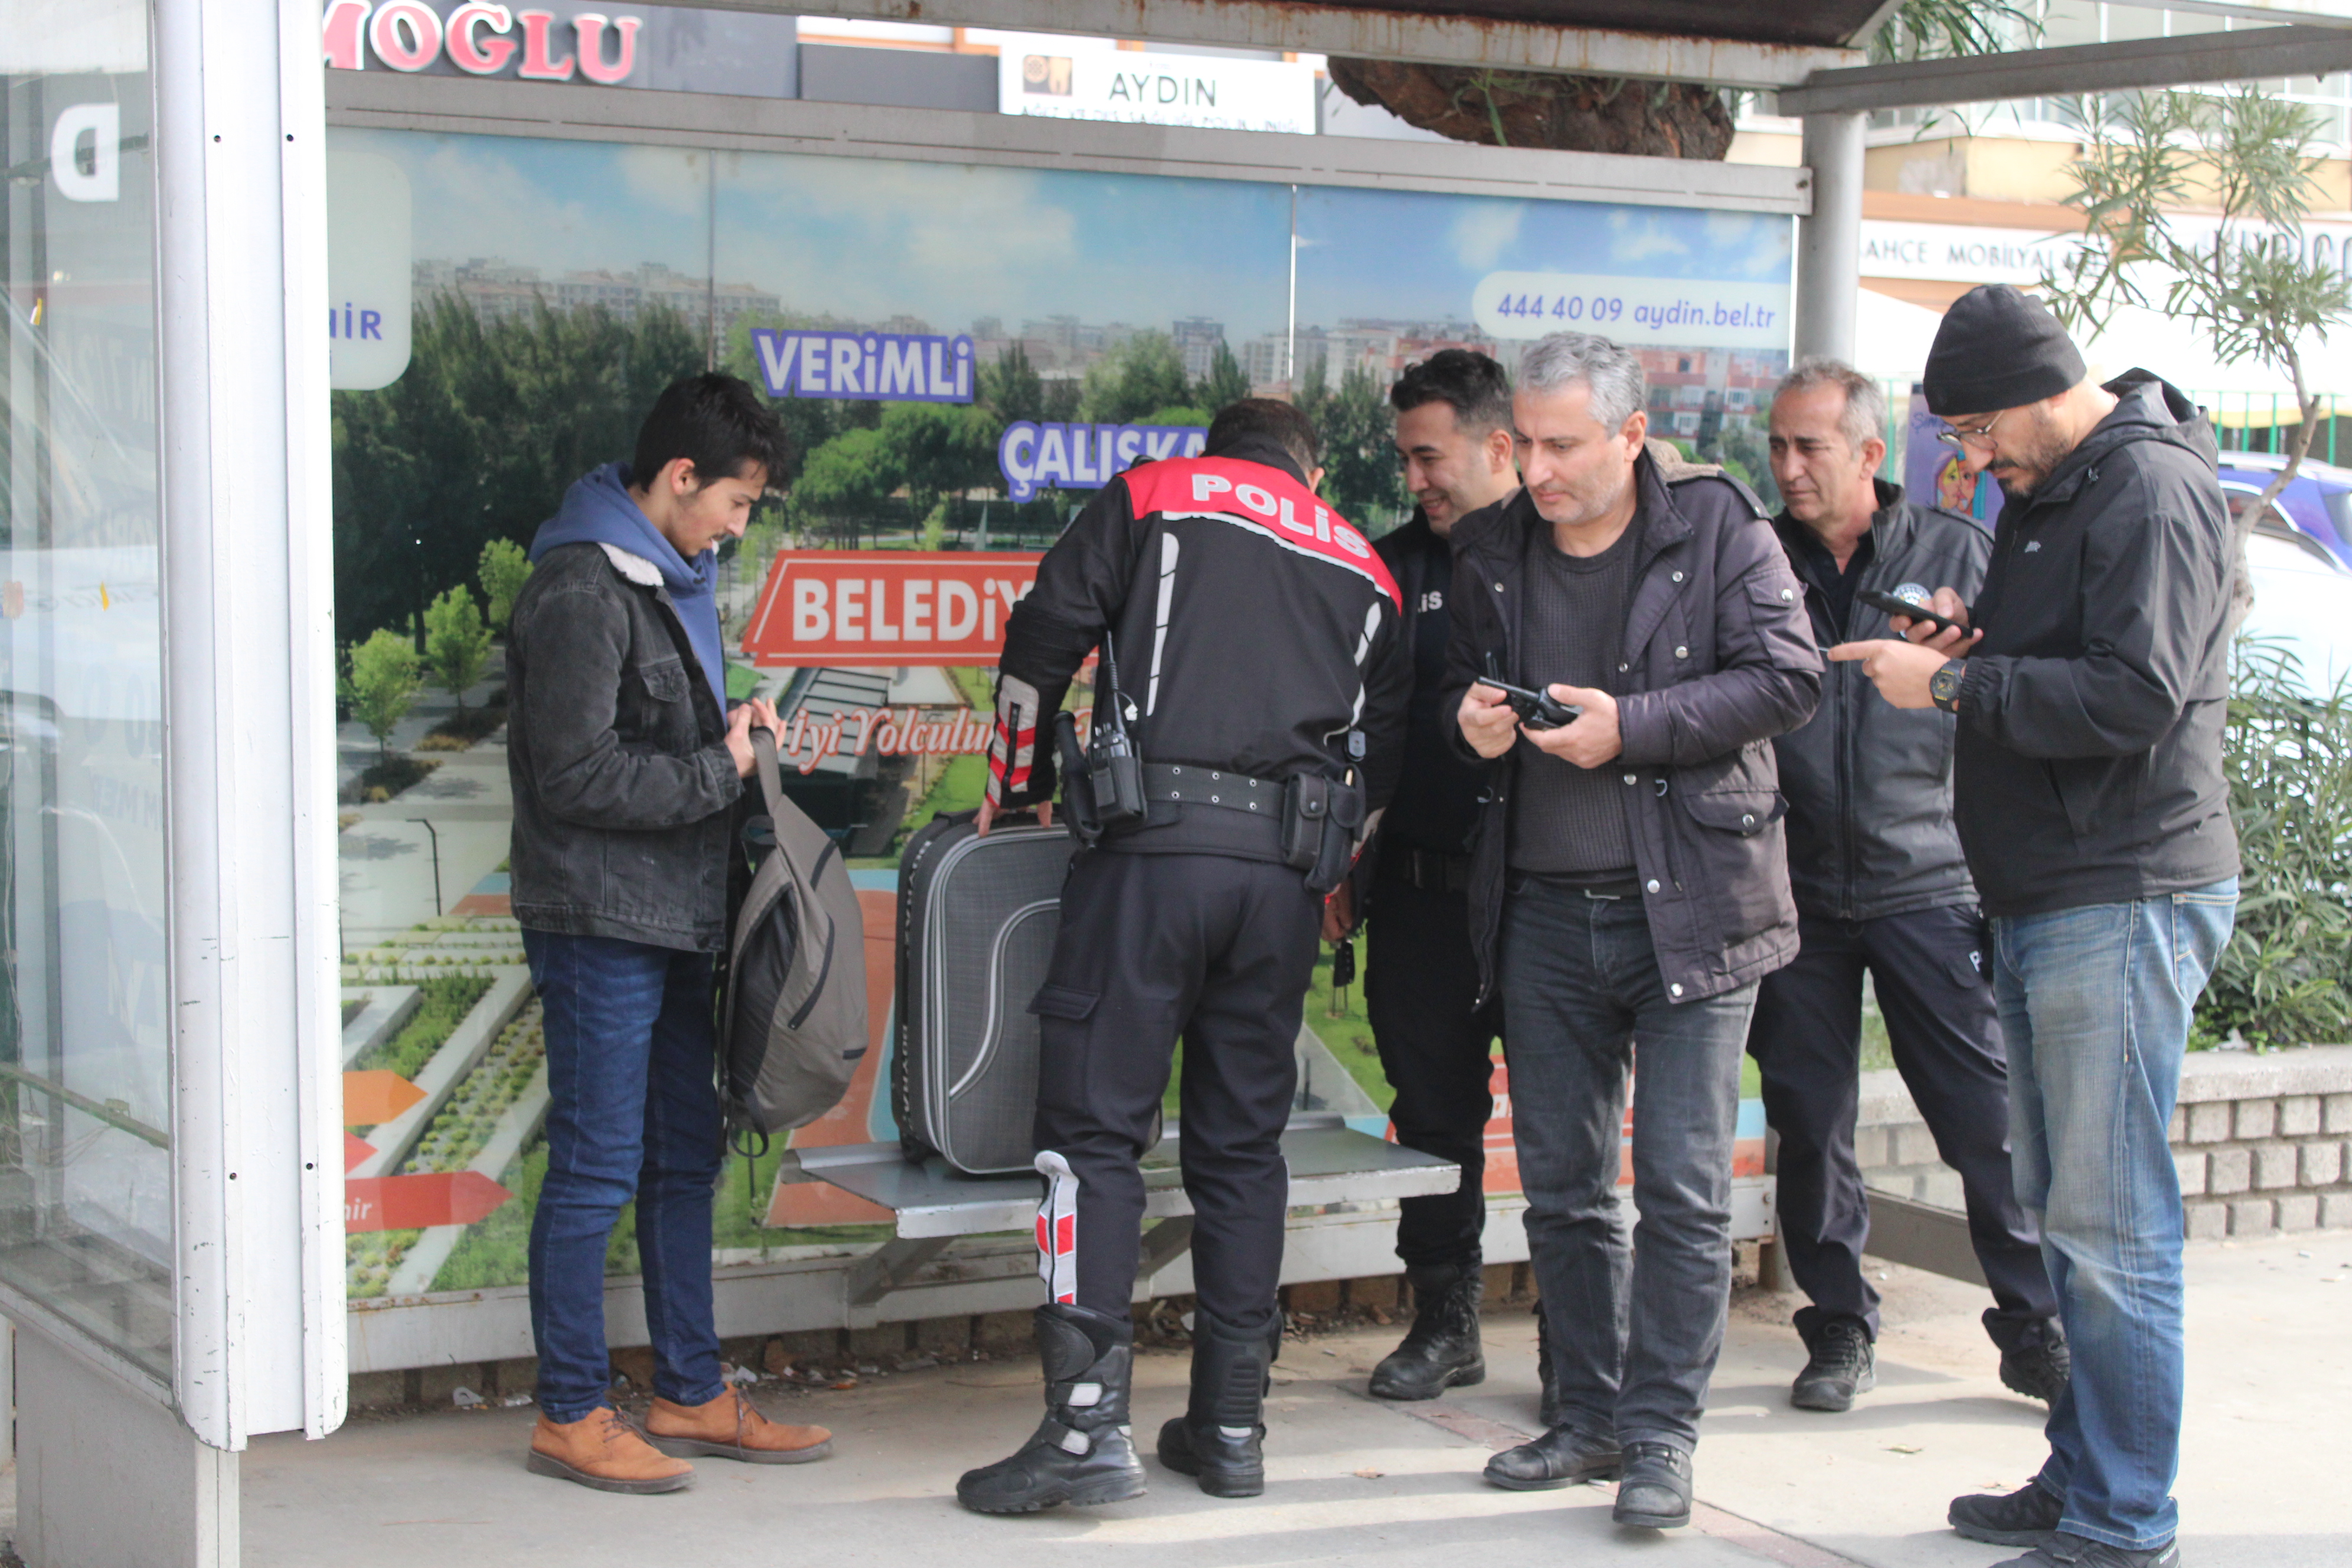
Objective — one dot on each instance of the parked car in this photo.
(2303, 602)
(2316, 504)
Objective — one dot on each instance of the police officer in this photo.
(1251, 659)
(1421, 979)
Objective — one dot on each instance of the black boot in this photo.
(1082, 1453)
(1441, 1350)
(1548, 1410)
(1220, 1437)
(2036, 1362)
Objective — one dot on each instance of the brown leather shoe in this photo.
(731, 1428)
(604, 1451)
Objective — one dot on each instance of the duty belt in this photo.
(1192, 786)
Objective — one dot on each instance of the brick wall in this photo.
(2264, 1143)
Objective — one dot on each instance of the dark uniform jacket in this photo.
(1252, 626)
(2089, 767)
(1717, 660)
(1436, 809)
(1870, 784)
(617, 753)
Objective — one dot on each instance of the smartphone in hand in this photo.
(1891, 604)
(1537, 709)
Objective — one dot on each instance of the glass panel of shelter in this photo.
(86, 1182)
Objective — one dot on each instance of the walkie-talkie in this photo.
(1114, 768)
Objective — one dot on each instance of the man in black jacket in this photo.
(626, 766)
(2092, 688)
(1629, 887)
(1421, 980)
(1881, 887)
(1260, 675)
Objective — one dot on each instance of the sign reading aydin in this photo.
(886, 607)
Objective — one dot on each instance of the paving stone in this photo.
(2253, 1217)
(2299, 1211)
(2322, 1164)
(2336, 1113)
(2255, 1119)
(2177, 1130)
(2191, 1165)
(2209, 1121)
(2275, 1166)
(2208, 1221)
(1942, 1188)
(1870, 1148)
(2298, 1116)
(2229, 1169)
(2335, 1210)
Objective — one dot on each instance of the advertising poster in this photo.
(962, 354)
(1933, 473)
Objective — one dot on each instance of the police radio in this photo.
(1106, 790)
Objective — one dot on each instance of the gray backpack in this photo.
(791, 1025)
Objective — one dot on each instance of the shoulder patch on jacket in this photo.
(635, 568)
(1263, 500)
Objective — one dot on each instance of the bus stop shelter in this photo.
(173, 1256)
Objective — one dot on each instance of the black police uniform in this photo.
(1421, 979)
(1252, 631)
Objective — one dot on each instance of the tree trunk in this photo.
(1535, 109)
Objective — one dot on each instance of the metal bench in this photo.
(931, 1206)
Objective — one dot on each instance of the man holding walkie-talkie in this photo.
(1248, 714)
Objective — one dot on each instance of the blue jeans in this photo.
(2095, 1006)
(1634, 1332)
(632, 1115)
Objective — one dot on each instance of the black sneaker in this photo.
(1654, 1491)
(2064, 1551)
(2039, 1364)
(1843, 1365)
(2026, 1517)
(1562, 1456)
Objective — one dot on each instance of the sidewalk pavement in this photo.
(1352, 1480)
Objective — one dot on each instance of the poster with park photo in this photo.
(962, 354)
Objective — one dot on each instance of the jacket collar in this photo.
(1263, 450)
(2147, 409)
(635, 568)
(1890, 524)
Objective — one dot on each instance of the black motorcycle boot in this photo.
(1441, 1350)
(2035, 1362)
(1843, 1364)
(1220, 1439)
(1083, 1452)
(1549, 1409)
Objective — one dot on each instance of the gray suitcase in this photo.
(976, 919)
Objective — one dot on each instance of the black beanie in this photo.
(1999, 348)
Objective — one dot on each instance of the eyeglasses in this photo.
(1979, 436)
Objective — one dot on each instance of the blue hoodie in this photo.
(598, 509)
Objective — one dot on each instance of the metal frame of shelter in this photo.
(261, 1338)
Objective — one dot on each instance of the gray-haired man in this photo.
(1882, 887)
(1628, 888)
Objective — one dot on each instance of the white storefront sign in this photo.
(1064, 79)
(1977, 253)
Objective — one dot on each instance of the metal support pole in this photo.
(1828, 242)
(437, 861)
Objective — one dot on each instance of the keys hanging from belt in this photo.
(1343, 973)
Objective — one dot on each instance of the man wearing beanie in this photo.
(2090, 683)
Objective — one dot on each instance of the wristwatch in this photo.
(1944, 686)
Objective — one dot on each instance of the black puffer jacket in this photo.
(1720, 660)
(2089, 769)
(1870, 784)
